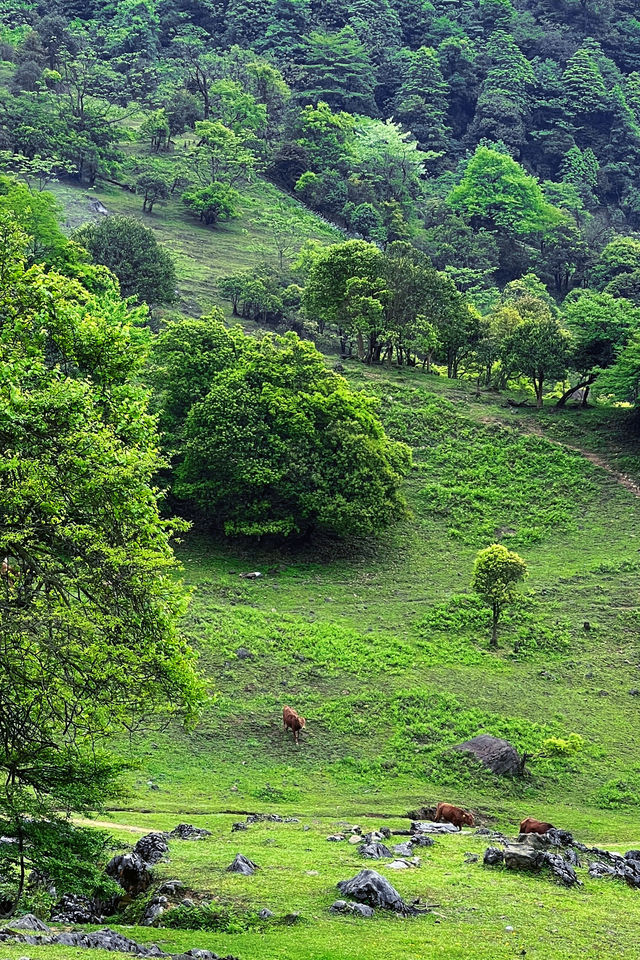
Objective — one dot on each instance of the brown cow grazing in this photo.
(535, 826)
(293, 722)
(447, 813)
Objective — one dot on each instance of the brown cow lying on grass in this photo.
(447, 813)
(535, 826)
(293, 722)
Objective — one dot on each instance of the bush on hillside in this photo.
(282, 446)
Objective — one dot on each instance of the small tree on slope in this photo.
(496, 572)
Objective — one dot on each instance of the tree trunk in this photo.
(360, 342)
(494, 625)
(538, 384)
(562, 402)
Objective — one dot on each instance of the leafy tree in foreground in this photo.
(90, 603)
(496, 573)
(144, 268)
(281, 446)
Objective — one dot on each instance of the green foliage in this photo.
(618, 794)
(212, 204)
(496, 191)
(89, 602)
(281, 446)
(559, 747)
(211, 918)
(124, 245)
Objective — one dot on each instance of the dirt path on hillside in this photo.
(622, 478)
(108, 825)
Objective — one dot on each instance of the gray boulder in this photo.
(497, 755)
(362, 910)
(403, 849)
(186, 831)
(424, 826)
(131, 872)
(266, 914)
(374, 850)
(371, 888)
(154, 909)
(526, 854)
(242, 864)
(422, 840)
(152, 847)
(170, 887)
(493, 856)
(357, 909)
(562, 870)
(29, 922)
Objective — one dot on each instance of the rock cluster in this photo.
(625, 868)
(109, 940)
(72, 908)
(531, 852)
(153, 847)
(186, 831)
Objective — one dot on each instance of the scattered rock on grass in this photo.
(152, 847)
(375, 890)
(186, 831)
(422, 827)
(358, 909)
(403, 849)
(498, 755)
(29, 922)
(374, 850)
(242, 864)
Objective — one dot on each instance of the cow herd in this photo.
(445, 812)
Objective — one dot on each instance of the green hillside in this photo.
(201, 255)
(384, 652)
(312, 315)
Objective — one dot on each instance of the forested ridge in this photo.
(489, 143)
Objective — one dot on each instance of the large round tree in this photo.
(282, 446)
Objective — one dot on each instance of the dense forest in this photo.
(482, 157)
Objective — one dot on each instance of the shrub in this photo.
(131, 251)
(557, 747)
